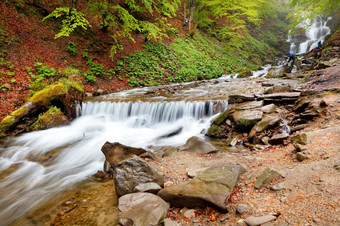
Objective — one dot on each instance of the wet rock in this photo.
(218, 107)
(278, 139)
(249, 105)
(252, 221)
(266, 84)
(148, 187)
(268, 109)
(239, 98)
(172, 133)
(266, 177)
(221, 118)
(130, 173)
(143, 208)
(276, 72)
(98, 92)
(198, 145)
(246, 74)
(51, 118)
(215, 131)
(242, 208)
(277, 187)
(266, 123)
(209, 188)
(116, 152)
(246, 119)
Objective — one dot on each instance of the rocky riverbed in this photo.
(294, 181)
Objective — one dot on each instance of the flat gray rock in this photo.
(209, 188)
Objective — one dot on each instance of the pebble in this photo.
(242, 208)
(277, 187)
(189, 213)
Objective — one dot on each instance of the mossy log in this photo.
(63, 95)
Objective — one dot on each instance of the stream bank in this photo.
(308, 193)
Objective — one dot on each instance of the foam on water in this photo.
(39, 176)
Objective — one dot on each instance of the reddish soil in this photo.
(28, 39)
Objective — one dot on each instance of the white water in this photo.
(317, 32)
(79, 145)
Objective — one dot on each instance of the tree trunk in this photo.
(191, 18)
(73, 6)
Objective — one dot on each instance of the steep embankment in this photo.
(32, 58)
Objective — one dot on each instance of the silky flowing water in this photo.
(36, 166)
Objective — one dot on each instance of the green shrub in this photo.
(72, 48)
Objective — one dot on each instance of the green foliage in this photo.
(39, 73)
(95, 70)
(305, 10)
(72, 48)
(71, 20)
(129, 16)
(183, 61)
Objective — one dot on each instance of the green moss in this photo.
(49, 93)
(74, 84)
(221, 118)
(19, 111)
(246, 123)
(6, 123)
(46, 118)
(213, 131)
(2, 134)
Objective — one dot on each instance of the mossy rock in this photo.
(221, 118)
(214, 131)
(51, 118)
(49, 93)
(62, 94)
(12, 119)
(246, 74)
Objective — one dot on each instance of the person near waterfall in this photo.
(295, 59)
(318, 50)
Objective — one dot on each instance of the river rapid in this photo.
(36, 166)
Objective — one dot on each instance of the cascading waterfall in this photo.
(317, 32)
(50, 161)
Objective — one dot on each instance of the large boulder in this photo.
(116, 152)
(246, 119)
(130, 173)
(198, 145)
(143, 208)
(209, 188)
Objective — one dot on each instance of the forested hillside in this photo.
(114, 45)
